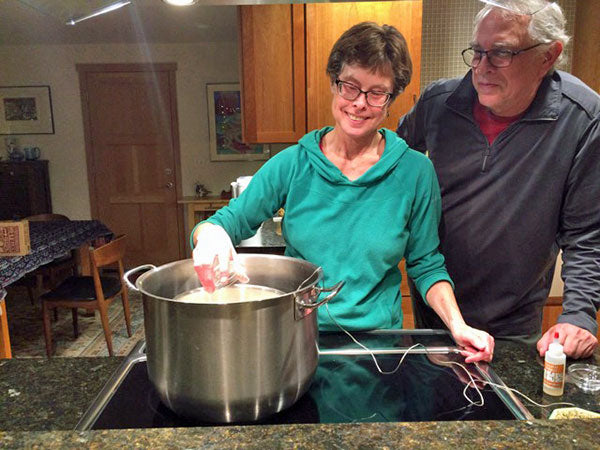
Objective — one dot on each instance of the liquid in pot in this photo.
(237, 293)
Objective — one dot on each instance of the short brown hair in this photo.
(374, 47)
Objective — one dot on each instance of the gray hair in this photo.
(547, 23)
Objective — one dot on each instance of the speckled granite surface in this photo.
(268, 239)
(430, 435)
(40, 400)
(50, 394)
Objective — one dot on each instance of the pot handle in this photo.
(304, 308)
(145, 267)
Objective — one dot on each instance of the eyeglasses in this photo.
(351, 92)
(497, 58)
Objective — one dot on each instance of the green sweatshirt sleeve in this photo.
(424, 263)
(265, 194)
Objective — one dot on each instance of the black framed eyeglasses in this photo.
(497, 57)
(351, 92)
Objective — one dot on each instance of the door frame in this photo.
(170, 69)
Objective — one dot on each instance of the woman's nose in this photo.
(361, 100)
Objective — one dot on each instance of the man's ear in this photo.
(552, 53)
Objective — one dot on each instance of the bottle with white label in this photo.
(554, 368)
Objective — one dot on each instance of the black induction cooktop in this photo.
(348, 387)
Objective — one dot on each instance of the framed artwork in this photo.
(225, 126)
(26, 110)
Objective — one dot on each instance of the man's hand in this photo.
(576, 342)
(477, 344)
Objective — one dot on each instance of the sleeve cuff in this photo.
(581, 320)
(425, 284)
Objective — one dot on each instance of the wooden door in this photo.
(325, 22)
(272, 64)
(132, 148)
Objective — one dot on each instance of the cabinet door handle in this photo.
(169, 185)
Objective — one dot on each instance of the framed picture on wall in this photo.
(26, 110)
(225, 126)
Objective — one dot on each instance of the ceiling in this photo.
(30, 22)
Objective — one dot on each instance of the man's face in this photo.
(508, 91)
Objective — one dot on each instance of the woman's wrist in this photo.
(440, 297)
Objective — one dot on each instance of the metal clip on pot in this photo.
(304, 308)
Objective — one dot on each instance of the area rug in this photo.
(27, 334)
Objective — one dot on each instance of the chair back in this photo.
(109, 253)
(46, 217)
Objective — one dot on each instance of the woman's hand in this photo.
(477, 345)
(215, 259)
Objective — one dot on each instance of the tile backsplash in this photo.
(447, 30)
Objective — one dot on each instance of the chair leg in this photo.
(56, 314)
(125, 300)
(31, 295)
(106, 326)
(47, 331)
(75, 327)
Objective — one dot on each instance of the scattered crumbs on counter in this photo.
(94, 369)
(521, 361)
(13, 393)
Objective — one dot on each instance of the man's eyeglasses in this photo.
(496, 57)
(351, 92)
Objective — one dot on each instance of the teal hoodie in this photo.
(357, 231)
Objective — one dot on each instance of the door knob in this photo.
(169, 185)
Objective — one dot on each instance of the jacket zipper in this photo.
(486, 155)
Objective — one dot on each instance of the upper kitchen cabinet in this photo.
(284, 51)
(273, 74)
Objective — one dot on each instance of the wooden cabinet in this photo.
(199, 209)
(284, 51)
(586, 44)
(273, 74)
(24, 189)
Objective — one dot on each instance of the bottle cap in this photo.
(555, 348)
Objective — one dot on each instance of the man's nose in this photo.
(484, 63)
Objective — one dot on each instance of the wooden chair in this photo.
(49, 275)
(46, 217)
(91, 292)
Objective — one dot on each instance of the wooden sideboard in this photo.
(198, 209)
(24, 189)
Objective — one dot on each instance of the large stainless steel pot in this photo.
(233, 362)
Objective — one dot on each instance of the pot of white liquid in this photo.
(238, 355)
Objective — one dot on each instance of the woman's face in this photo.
(356, 118)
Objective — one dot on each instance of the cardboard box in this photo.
(14, 238)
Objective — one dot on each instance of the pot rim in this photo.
(318, 271)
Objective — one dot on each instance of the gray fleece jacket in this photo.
(508, 207)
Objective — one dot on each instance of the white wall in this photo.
(54, 65)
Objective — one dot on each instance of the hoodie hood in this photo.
(395, 147)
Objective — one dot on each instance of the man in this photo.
(516, 147)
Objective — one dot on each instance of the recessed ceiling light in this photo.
(180, 2)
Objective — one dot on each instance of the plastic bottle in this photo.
(554, 368)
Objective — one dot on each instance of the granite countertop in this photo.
(267, 238)
(41, 400)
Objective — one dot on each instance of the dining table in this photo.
(49, 240)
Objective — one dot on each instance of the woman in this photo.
(357, 200)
